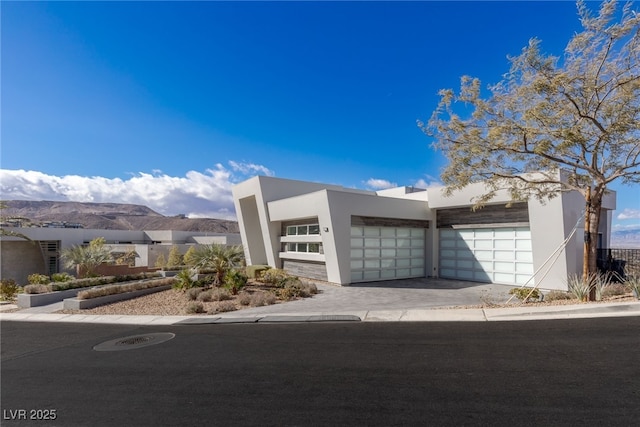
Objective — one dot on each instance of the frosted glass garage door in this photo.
(493, 255)
(386, 253)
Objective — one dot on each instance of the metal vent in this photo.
(134, 341)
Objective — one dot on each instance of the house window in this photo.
(303, 230)
(304, 247)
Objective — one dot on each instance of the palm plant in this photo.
(219, 258)
(86, 258)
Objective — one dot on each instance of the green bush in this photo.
(38, 279)
(234, 281)
(526, 294)
(255, 271)
(61, 277)
(184, 280)
(205, 281)
(8, 289)
(195, 308)
(87, 282)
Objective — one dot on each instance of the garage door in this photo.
(494, 255)
(386, 253)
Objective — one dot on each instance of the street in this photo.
(567, 372)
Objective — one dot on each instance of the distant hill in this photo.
(111, 216)
(626, 239)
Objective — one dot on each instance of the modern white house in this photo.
(345, 236)
(19, 257)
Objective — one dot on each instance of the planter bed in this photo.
(80, 304)
(36, 300)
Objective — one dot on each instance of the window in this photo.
(304, 247)
(303, 230)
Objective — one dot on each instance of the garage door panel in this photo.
(384, 253)
(499, 255)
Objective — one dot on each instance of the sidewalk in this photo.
(411, 315)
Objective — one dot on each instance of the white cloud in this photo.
(197, 194)
(629, 214)
(250, 168)
(379, 184)
(428, 182)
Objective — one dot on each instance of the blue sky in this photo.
(168, 104)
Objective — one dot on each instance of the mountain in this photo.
(628, 238)
(110, 216)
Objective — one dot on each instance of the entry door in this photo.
(491, 255)
(386, 253)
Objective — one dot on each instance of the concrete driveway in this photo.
(407, 294)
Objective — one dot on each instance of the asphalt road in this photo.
(570, 372)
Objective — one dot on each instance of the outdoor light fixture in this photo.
(325, 229)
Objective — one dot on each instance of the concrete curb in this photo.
(416, 315)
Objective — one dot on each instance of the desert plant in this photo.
(614, 289)
(262, 298)
(193, 293)
(601, 281)
(61, 277)
(633, 284)
(244, 298)
(220, 295)
(526, 294)
(205, 296)
(556, 295)
(38, 279)
(8, 289)
(127, 287)
(234, 281)
(37, 289)
(225, 306)
(87, 258)
(184, 280)
(205, 281)
(274, 276)
(255, 271)
(486, 298)
(579, 288)
(219, 259)
(195, 308)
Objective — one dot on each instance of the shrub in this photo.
(205, 281)
(225, 306)
(38, 289)
(128, 287)
(38, 279)
(220, 295)
(184, 280)
(262, 298)
(557, 296)
(61, 277)
(194, 308)
(234, 281)
(205, 296)
(8, 289)
(613, 290)
(526, 294)
(274, 276)
(244, 298)
(193, 293)
(255, 271)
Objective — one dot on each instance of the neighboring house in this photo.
(345, 236)
(20, 258)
